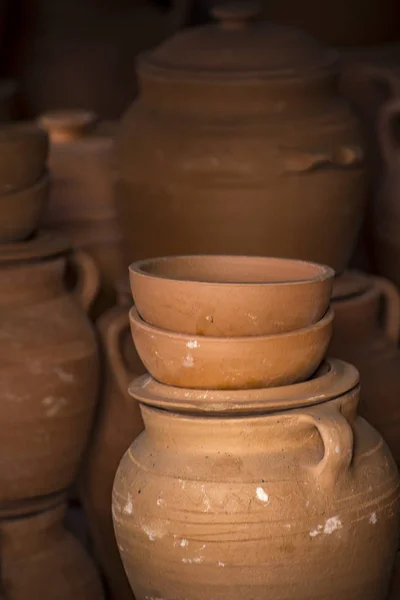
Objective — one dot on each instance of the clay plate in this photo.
(333, 379)
(20, 212)
(230, 296)
(231, 363)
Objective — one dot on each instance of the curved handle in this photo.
(115, 329)
(304, 161)
(388, 117)
(88, 278)
(368, 84)
(337, 437)
(391, 296)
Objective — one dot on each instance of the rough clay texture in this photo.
(217, 508)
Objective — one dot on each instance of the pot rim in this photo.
(321, 272)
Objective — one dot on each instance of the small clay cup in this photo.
(220, 363)
(20, 212)
(23, 154)
(230, 296)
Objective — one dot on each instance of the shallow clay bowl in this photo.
(23, 154)
(20, 212)
(230, 296)
(218, 363)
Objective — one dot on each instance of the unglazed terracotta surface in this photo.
(204, 362)
(82, 202)
(48, 372)
(366, 332)
(41, 560)
(118, 423)
(21, 211)
(227, 296)
(255, 151)
(217, 508)
(23, 155)
(387, 209)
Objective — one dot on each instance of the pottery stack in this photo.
(48, 382)
(253, 455)
(81, 202)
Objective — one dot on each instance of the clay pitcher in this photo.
(82, 204)
(118, 423)
(387, 208)
(48, 372)
(40, 559)
(255, 151)
(366, 333)
(223, 489)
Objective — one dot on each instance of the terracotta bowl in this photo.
(23, 154)
(20, 212)
(232, 363)
(230, 296)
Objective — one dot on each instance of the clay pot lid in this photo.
(238, 46)
(333, 379)
(44, 244)
(68, 124)
(350, 284)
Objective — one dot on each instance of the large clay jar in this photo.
(80, 53)
(119, 422)
(366, 333)
(240, 144)
(41, 560)
(82, 197)
(386, 220)
(48, 372)
(225, 489)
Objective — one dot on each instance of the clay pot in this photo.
(23, 156)
(215, 507)
(76, 53)
(366, 332)
(20, 212)
(387, 209)
(227, 296)
(40, 559)
(231, 363)
(118, 423)
(254, 150)
(82, 198)
(48, 372)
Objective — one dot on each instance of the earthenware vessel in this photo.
(213, 505)
(48, 371)
(366, 333)
(23, 156)
(73, 53)
(254, 150)
(21, 211)
(118, 423)
(387, 208)
(40, 559)
(228, 296)
(82, 198)
(204, 362)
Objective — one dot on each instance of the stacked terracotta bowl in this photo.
(227, 323)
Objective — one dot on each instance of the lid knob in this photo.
(236, 15)
(67, 124)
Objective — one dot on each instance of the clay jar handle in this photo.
(388, 133)
(88, 278)
(118, 325)
(369, 84)
(391, 317)
(338, 440)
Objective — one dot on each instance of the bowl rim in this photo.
(322, 272)
(193, 341)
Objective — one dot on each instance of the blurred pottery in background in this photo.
(118, 423)
(255, 151)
